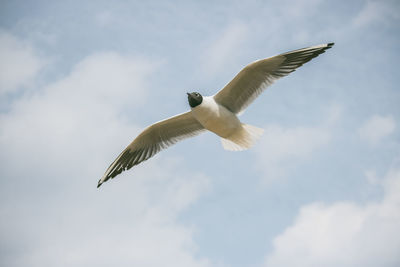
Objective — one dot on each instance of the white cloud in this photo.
(376, 11)
(376, 128)
(133, 225)
(344, 233)
(104, 18)
(77, 113)
(56, 144)
(299, 9)
(371, 177)
(19, 63)
(220, 53)
(280, 147)
(124, 225)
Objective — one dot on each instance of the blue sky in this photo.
(79, 80)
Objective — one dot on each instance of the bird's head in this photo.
(194, 99)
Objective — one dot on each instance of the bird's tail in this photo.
(242, 139)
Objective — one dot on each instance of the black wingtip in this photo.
(329, 45)
(99, 183)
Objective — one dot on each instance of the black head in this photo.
(195, 99)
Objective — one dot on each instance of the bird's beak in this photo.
(188, 94)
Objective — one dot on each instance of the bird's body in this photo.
(216, 118)
(217, 113)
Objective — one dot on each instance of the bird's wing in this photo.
(257, 76)
(153, 139)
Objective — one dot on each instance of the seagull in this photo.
(217, 113)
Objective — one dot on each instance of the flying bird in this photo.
(217, 113)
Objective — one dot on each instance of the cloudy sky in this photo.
(80, 79)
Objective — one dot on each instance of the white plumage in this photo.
(217, 113)
(221, 121)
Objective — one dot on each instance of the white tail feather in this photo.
(243, 138)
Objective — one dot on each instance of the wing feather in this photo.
(257, 76)
(152, 140)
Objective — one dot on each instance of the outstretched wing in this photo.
(256, 77)
(153, 139)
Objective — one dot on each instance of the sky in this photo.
(80, 79)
